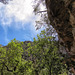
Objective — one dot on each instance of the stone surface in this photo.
(61, 14)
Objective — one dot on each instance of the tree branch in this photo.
(42, 11)
(13, 69)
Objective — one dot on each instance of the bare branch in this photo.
(42, 11)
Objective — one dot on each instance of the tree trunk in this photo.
(1, 71)
(50, 71)
(36, 72)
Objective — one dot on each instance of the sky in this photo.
(17, 20)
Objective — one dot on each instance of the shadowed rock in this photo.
(61, 14)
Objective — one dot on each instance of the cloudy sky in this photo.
(17, 20)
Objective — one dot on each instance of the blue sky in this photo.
(9, 33)
(17, 20)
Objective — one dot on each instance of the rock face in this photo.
(61, 14)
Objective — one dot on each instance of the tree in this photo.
(11, 60)
(44, 55)
(44, 20)
(11, 56)
(2, 59)
(61, 15)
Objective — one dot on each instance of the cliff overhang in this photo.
(61, 14)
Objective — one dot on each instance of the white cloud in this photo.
(18, 13)
(17, 10)
(20, 9)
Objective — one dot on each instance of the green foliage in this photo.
(45, 56)
(41, 57)
(2, 56)
(24, 67)
(14, 51)
(10, 56)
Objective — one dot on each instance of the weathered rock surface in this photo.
(61, 14)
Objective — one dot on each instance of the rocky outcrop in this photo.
(61, 14)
